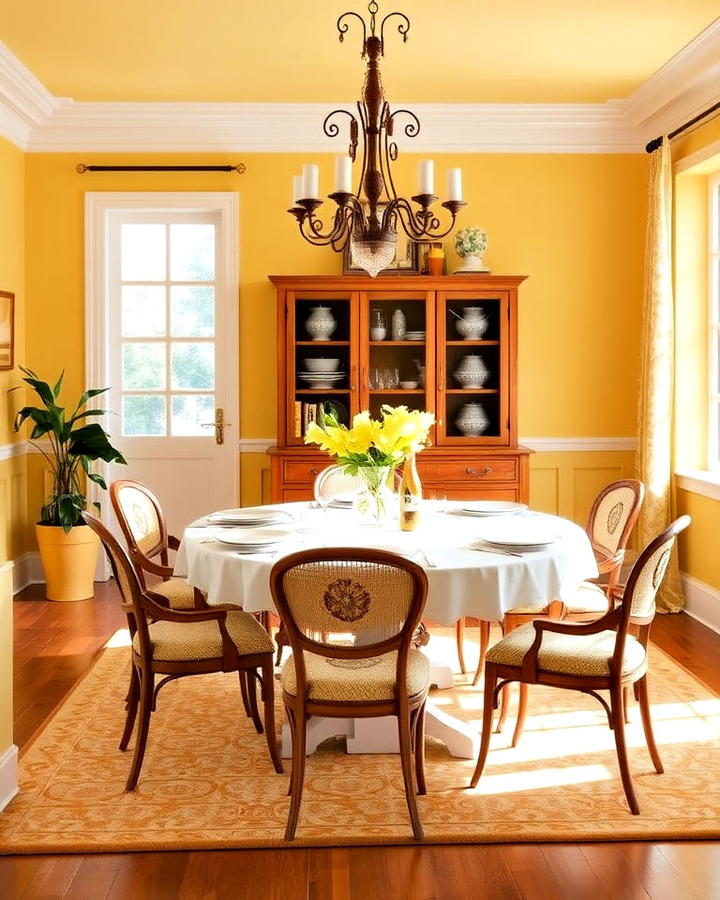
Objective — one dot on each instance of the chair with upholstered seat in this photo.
(336, 481)
(350, 615)
(178, 643)
(141, 519)
(592, 656)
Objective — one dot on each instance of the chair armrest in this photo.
(607, 563)
(218, 614)
(173, 542)
(148, 565)
(529, 666)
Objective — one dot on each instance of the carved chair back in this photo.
(612, 517)
(142, 522)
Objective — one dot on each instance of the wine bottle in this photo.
(410, 495)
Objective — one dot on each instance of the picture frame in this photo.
(7, 330)
(404, 263)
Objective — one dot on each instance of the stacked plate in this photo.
(253, 540)
(342, 501)
(322, 380)
(518, 536)
(490, 508)
(414, 335)
(249, 516)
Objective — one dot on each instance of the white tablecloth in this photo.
(462, 581)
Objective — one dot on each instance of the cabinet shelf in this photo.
(396, 391)
(397, 343)
(471, 391)
(320, 344)
(322, 391)
(472, 343)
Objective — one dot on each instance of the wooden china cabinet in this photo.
(369, 372)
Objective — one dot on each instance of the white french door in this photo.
(162, 332)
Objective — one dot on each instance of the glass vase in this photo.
(374, 496)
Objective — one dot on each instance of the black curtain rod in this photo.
(81, 168)
(656, 143)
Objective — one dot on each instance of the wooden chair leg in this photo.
(298, 774)
(616, 710)
(147, 683)
(642, 695)
(460, 639)
(290, 715)
(522, 713)
(250, 680)
(268, 697)
(484, 641)
(420, 751)
(504, 707)
(131, 705)
(407, 770)
(490, 679)
(626, 706)
(244, 692)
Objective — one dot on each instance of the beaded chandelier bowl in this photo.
(369, 219)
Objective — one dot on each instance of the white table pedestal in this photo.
(380, 735)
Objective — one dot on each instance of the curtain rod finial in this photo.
(653, 145)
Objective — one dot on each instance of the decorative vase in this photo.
(472, 419)
(321, 323)
(472, 371)
(473, 323)
(378, 330)
(435, 259)
(372, 500)
(68, 561)
(472, 263)
(399, 325)
(470, 244)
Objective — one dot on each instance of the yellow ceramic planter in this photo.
(68, 560)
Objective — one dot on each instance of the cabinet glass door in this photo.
(322, 365)
(473, 368)
(397, 334)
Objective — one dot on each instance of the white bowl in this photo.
(321, 364)
(408, 385)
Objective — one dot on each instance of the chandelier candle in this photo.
(368, 221)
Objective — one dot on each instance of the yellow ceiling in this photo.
(458, 51)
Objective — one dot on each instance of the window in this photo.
(714, 357)
(164, 279)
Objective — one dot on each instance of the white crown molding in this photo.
(37, 121)
(687, 84)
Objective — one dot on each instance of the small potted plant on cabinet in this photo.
(68, 547)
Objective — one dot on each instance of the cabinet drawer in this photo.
(472, 471)
(301, 472)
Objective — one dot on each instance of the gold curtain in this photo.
(657, 356)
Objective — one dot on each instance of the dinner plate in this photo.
(249, 516)
(519, 535)
(252, 539)
(492, 508)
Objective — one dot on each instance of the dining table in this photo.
(470, 569)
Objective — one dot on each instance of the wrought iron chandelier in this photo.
(369, 219)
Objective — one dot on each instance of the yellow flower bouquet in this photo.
(373, 448)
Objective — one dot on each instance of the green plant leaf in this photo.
(43, 390)
(98, 479)
(58, 384)
(91, 441)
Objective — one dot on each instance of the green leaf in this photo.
(69, 509)
(58, 384)
(43, 390)
(97, 506)
(92, 392)
(91, 441)
(98, 479)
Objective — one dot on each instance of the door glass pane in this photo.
(143, 311)
(192, 252)
(142, 252)
(192, 366)
(144, 415)
(143, 366)
(189, 411)
(192, 311)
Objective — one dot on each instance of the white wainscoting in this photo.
(702, 602)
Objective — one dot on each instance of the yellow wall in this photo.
(12, 471)
(573, 223)
(698, 545)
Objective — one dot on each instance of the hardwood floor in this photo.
(54, 645)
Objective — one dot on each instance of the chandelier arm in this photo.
(420, 224)
(412, 129)
(343, 28)
(332, 129)
(403, 28)
(311, 228)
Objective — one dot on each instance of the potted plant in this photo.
(68, 547)
(470, 244)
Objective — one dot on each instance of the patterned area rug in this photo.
(207, 781)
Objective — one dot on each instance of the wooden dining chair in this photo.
(589, 656)
(335, 481)
(142, 522)
(610, 522)
(178, 643)
(350, 615)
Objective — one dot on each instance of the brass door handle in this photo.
(219, 425)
